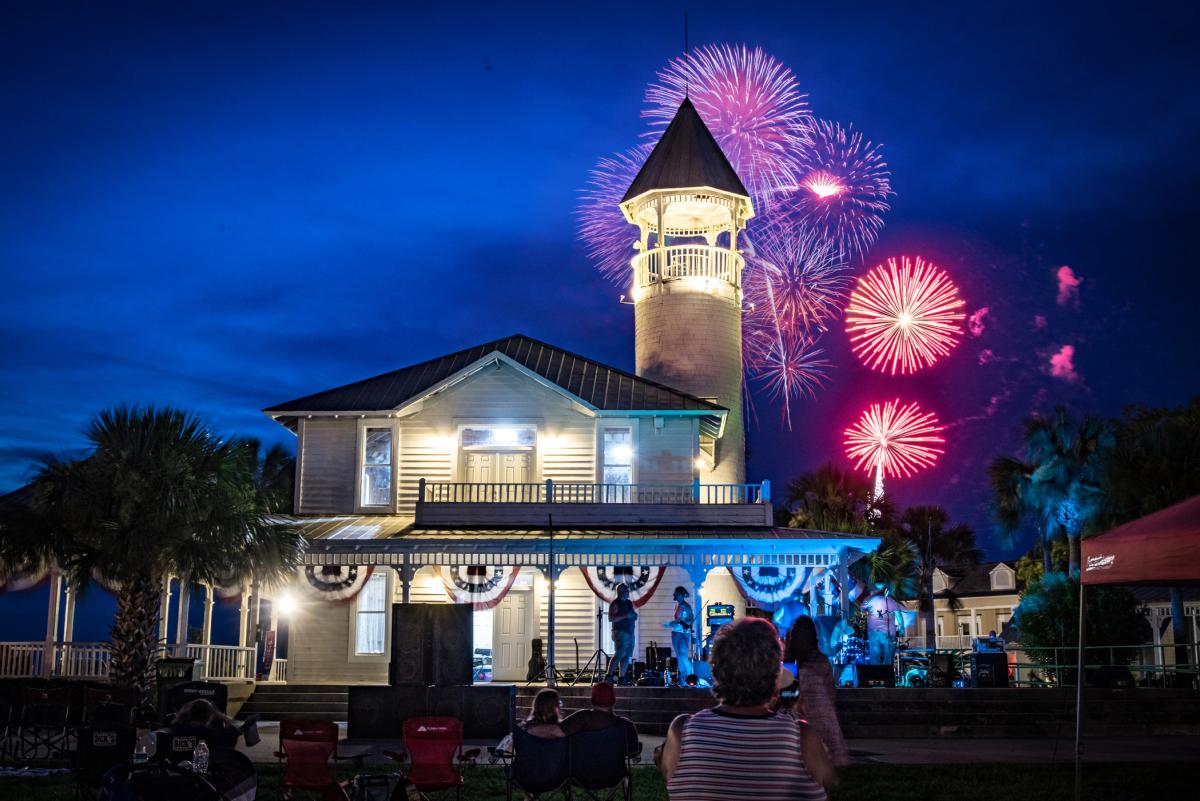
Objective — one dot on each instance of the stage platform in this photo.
(880, 713)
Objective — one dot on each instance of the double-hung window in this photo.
(371, 617)
(616, 469)
(377, 468)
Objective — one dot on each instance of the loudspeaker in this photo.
(408, 645)
(489, 712)
(874, 675)
(941, 670)
(452, 633)
(378, 713)
(989, 669)
(1114, 677)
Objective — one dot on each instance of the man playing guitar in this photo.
(681, 633)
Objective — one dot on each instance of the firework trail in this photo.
(904, 316)
(796, 282)
(787, 368)
(750, 101)
(842, 189)
(893, 440)
(609, 238)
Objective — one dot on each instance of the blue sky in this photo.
(223, 206)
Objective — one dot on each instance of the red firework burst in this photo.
(904, 316)
(752, 104)
(894, 440)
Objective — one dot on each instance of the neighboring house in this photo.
(984, 598)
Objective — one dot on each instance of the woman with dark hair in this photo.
(817, 699)
(199, 718)
(741, 748)
(543, 716)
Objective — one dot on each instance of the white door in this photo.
(512, 635)
(497, 467)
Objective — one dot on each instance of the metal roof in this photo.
(597, 384)
(687, 155)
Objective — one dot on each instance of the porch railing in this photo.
(91, 660)
(278, 671)
(550, 491)
(688, 261)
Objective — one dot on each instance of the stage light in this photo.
(692, 680)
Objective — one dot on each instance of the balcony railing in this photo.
(688, 261)
(443, 503)
(575, 492)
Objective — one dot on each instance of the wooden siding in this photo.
(658, 610)
(328, 452)
(574, 616)
(320, 643)
(667, 455)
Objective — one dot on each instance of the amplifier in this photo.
(719, 613)
(875, 675)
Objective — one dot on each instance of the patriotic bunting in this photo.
(642, 581)
(482, 586)
(334, 582)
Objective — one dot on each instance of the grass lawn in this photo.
(1143, 781)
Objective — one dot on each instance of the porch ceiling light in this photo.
(285, 604)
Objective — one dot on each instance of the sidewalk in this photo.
(946, 751)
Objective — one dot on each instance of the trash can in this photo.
(170, 671)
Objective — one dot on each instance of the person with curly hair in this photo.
(741, 748)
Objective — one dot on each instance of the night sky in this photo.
(225, 207)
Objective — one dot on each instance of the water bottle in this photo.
(141, 755)
(200, 758)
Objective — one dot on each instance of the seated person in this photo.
(543, 716)
(601, 716)
(200, 719)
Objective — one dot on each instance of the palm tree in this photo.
(936, 546)
(831, 499)
(159, 493)
(1155, 463)
(1056, 484)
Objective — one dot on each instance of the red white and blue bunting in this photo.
(642, 581)
(482, 586)
(334, 582)
(24, 581)
(768, 585)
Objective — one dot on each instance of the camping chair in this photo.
(305, 750)
(211, 691)
(538, 766)
(162, 781)
(600, 763)
(97, 750)
(434, 751)
(43, 721)
(107, 706)
(174, 748)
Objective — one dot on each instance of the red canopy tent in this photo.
(1161, 549)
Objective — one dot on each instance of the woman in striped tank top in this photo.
(740, 749)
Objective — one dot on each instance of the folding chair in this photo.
(215, 693)
(600, 764)
(539, 767)
(108, 706)
(97, 750)
(433, 747)
(174, 748)
(305, 750)
(43, 721)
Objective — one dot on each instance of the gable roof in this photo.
(978, 580)
(596, 384)
(687, 155)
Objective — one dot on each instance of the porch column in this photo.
(244, 616)
(51, 623)
(68, 627)
(826, 590)
(843, 585)
(181, 619)
(206, 626)
(698, 574)
(164, 610)
(406, 572)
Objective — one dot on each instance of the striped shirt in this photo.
(724, 757)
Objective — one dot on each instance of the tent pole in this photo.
(1079, 678)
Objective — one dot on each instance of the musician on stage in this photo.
(884, 624)
(681, 633)
(623, 619)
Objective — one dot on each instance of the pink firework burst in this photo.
(904, 316)
(752, 104)
(608, 236)
(842, 189)
(797, 281)
(894, 440)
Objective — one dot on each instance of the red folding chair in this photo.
(434, 749)
(307, 749)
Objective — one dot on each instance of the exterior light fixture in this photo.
(285, 604)
(622, 453)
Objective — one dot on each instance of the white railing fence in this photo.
(550, 491)
(688, 261)
(91, 660)
(278, 671)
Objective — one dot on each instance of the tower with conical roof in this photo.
(689, 206)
